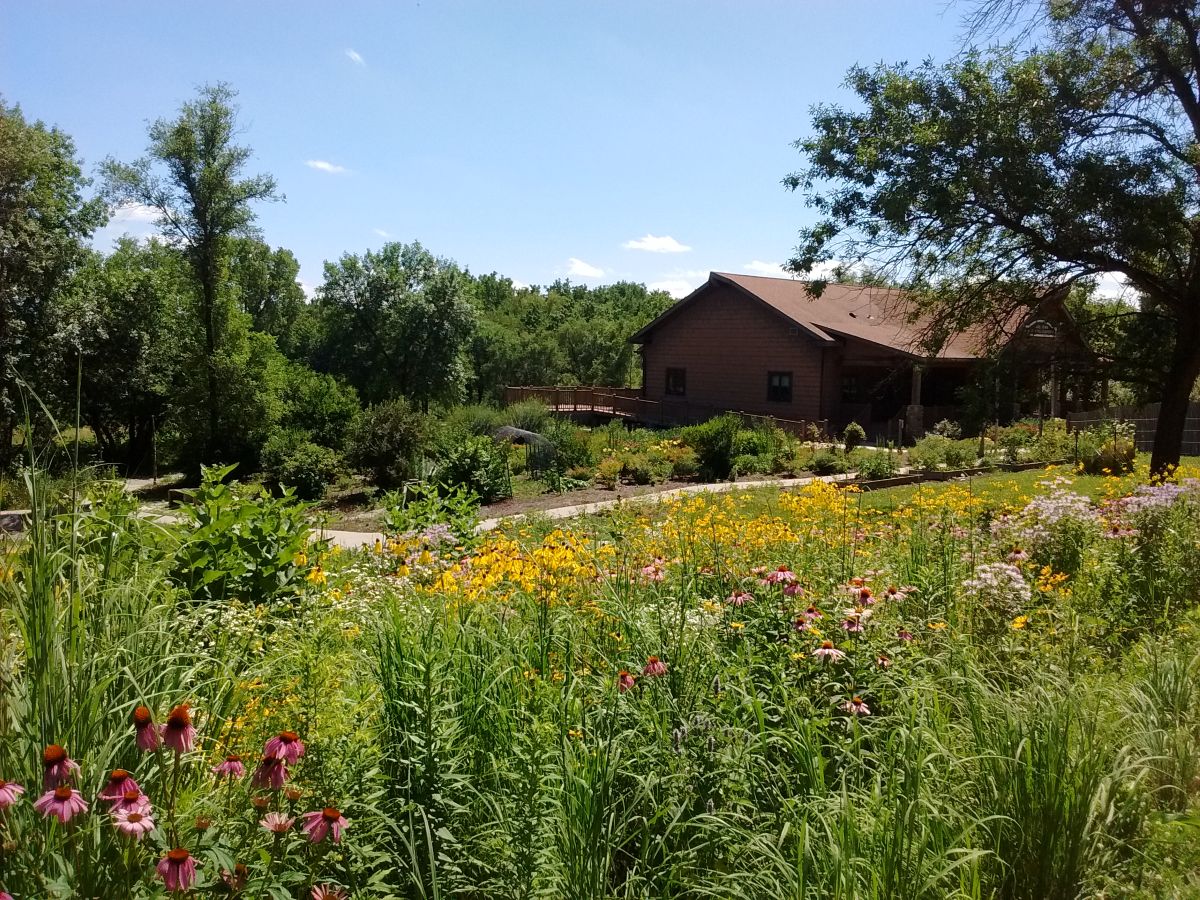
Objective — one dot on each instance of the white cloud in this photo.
(652, 244)
(581, 269)
(382, 233)
(518, 284)
(134, 212)
(1114, 284)
(355, 57)
(676, 287)
(758, 267)
(322, 165)
(309, 290)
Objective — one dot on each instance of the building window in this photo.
(851, 389)
(676, 383)
(779, 387)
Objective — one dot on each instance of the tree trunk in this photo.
(208, 288)
(1173, 410)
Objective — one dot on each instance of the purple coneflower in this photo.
(231, 766)
(9, 792)
(5, 895)
(739, 598)
(270, 773)
(328, 892)
(277, 822)
(782, 575)
(905, 635)
(146, 732)
(853, 624)
(62, 803)
(132, 799)
(883, 661)
(133, 822)
(1017, 555)
(865, 597)
(894, 593)
(119, 782)
(828, 652)
(178, 733)
(654, 667)
(856, 706)
(793, 589)
(326, 822)
(286, 746)
(812, 614)
(177, 870)
(625, 681)
(57, 767)
(236, 880)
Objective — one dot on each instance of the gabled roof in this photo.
(876, 315)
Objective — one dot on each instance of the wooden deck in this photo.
(628, 404)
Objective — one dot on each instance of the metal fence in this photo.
(627, 403)
(1144, 420)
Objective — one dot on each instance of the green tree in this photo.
(396, 323)
(44, 221)
(193, 176)
(984, 181)
(266, 286)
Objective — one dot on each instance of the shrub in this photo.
(753, 442)
(713, 442)
(1108, 450)
(300, 464)
(387, 443)
(571, 445)
(244, 545)
(479, 465)
(422, 507)
(753, 464)
(319, 405)
(645, 468)
(827, 462)
(684, 463)
(1054, 443)
(961, 454)
(948, 429)
(531, 415)
(876, 465)
(475, 419)
(853, 436)
(928, 453)
(608, 473)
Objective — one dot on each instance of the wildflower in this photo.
(57, 767)
(625, 681)
(654, 571)
(739, 598)
(782, 575)
(1017, 555)
(260, 802)
(812, 614)
(317, 576)
(203, 823)
(132, 799)
(134, 823)
(793, 589)
(737, 626)
(865, 597)
(1020, 622)
(328, 892)
(286, 746)
(856, 707)
(177, 870)
(270, 773)
(936, 626)
(883, 661)
(9, 792)
(5, 895)
(178, 733)
(853, 624)
(328, 821)
(236, 880)
(575, 734)
(654, 667)
(894, 593)
(62, 803)
(905, 635)
(119, 782)
(293, 794)
(828, 653)
(277, 822)
(232, 766)
(146, 732)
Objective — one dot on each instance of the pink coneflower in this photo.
(856, 582)
(782, 575)
(133, 822)
(293, 794)
(146, 733)
(856, 706)
(865, 597)
(905, 635)
(286, 746)
(328, 821)
(329, 892)
(853, 624)
(236, 880)
(654, 667)
(1017, 555)
(793, 589)
(277, 822)
(119, 782)
(62, 803)
(56, 767)
(178, 733)
(828, 653)
(270, 773)
(625, 681)
(654, 571)
(10, 791)
(231, 766)
(132, 799)
(177, 870)
(739, 598)
(812, 614)
(883, 661)
(758, 570)
(894, 593)
(5, 895)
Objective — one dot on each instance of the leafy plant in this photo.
(420, 506)
(479, 465)
(853, 436)
(825, 462)
(713, 442)
(387, 443)
(876, 465)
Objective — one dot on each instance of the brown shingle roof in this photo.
(873, 314)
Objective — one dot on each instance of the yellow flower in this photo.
(317, 576)
(937, 626)
(1019, 622)
(737, 626)
(575, 734)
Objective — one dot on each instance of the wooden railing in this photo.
(1145, 423)
(628, 403)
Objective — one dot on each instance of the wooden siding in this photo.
(728, 342)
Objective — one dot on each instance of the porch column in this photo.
(914, 413)
(1055, 399)
(916, 386)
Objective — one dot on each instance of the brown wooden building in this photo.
(766, 346)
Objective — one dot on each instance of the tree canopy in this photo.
(985, 181)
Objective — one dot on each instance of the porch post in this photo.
(914, 413)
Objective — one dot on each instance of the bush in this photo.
(608, 473)
(292, 461)
(876, 465)
(753, 464)
(948, 429)
(479, 465)
(1053, 444)
(961, 454)
(530, 415)
(571, 444)
(827, 463)
(475, 419)
(853, 436)
(928, 454)
(713, 442)
(1108, 450)
(249, 546)
(318, 405)
(753, 442)
(684, 463)
(387, 443)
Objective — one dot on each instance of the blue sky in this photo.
(596, 139)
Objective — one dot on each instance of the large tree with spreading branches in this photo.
(1070, 152)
